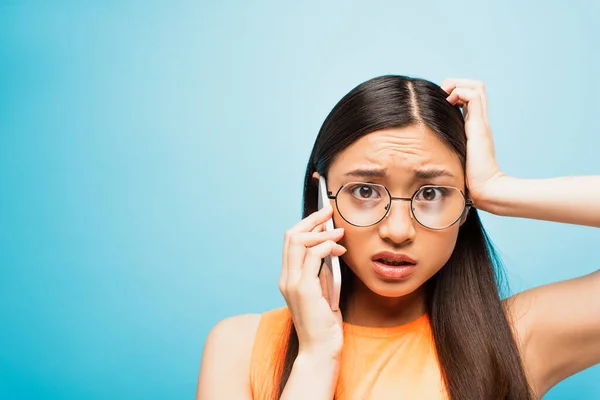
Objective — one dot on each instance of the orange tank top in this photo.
(397, 362)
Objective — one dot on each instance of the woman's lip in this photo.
(389, 255)
(393, 272)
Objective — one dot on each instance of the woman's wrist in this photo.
(319, 359)
(314, 375)
(323, 353)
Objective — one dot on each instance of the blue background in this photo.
(152, 156)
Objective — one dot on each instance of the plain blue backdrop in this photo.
(152, 157)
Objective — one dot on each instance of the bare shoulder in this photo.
(557, 329)
(225, 366)
(238, 330)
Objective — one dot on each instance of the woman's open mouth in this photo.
(389, 269)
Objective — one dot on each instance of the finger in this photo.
(314, 259)
(307, 224)
(450, 84)
(314, 219)
(296, 254)
(284, 268)
(310, 239)
(297, 250)
(472, 101)
(319, 228)
(323, 282)
(283, 277)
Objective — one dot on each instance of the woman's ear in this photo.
(316, 176)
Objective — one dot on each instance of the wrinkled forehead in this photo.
(401, 153)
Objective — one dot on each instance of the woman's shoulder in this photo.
(236, 327)
(242, 329)
(228, 351)
(232, 336)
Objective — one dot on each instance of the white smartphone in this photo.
(330, 270)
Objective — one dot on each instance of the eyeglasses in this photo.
(434, 207)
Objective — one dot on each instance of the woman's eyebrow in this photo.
(367, 173)
(422, 174)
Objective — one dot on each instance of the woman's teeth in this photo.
(390, 262)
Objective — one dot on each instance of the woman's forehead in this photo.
(399, 149)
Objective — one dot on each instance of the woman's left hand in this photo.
(483, 174)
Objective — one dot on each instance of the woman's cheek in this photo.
(352, 239)
(339, 222)
(445, 247)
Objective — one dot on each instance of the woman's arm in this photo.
(574, 200)
(558, 326)
(559, 323)
(571, 199)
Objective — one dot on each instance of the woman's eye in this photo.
(365, 192)
(432, 193)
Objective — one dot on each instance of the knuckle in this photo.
(295, 239)
(291, 291)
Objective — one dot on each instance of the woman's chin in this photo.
(393, 292)
(391, 287)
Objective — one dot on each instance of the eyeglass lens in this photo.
(365, 204)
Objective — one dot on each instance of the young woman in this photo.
(421, 315)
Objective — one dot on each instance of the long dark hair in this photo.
(477, 353)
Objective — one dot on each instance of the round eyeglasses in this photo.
(434, 207)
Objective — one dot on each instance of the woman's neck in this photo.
(366, 308)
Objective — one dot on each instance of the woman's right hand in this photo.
(319, 328)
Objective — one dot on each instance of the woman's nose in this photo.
(398, 225)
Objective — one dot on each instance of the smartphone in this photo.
(330, 274)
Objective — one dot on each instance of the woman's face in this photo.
(400, 152)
